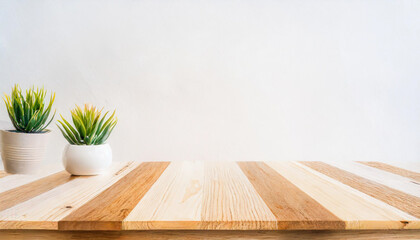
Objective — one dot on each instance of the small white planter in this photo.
(87, 159)
(23, 153)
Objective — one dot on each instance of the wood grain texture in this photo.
(358, 210)
(112, 206)
(231, 202)
(293, 208)
(11, 181)
(396, 170)
(198, 195)
(196, 235)
(393, 197)
(174, 201)
(411, 166)
(45, 210)
(388, 179)
(25, 192)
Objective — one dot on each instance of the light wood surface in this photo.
(107, 210)
(3, 173)
(293, 208)
(25, 192)
(173, 202)
(221, 235)
(410, 166)
(358, 210)
(391, 196)
(388, 179)
(198, 195)
(45, 210)
(231, 202)
(16, 180)
(392, 169)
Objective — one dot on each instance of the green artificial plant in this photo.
(89, 127)
(29, 112)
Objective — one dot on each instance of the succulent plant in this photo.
(90, 128)
(29, 113)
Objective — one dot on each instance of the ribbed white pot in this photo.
(87, 159)
(23, 153)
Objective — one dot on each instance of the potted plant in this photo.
(87, 152)
(23, 148)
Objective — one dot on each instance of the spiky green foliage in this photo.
(29, 113)
(89, 127)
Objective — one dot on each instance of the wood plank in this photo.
(213, 195)
(396, 170)
(358, 210)
(116, 202)
(11, 181)
(45, 210)
(407, 165)
(391, 180)
(231, 202)
(293, 208)
(176, 200)
(228, 235)
(173, 202)
(393, 197)
(23, 193)
(3, 174)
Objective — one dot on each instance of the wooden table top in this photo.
(216, 195)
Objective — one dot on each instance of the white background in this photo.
(227, 80)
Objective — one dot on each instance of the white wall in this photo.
(228, 80)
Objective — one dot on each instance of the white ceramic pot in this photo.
(23, 153)
(87, 159)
